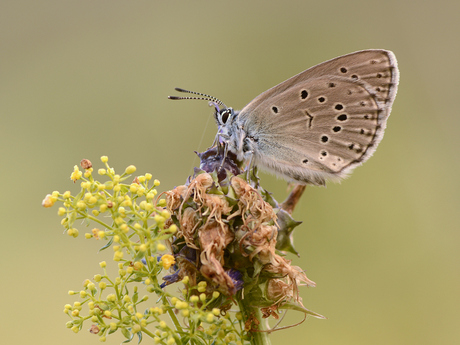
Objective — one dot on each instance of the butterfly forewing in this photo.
(326, 120)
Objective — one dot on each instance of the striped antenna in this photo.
(204, 98)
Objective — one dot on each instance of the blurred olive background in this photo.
(81, 79)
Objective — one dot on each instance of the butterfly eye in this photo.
(224, 116)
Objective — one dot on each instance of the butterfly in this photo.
(318, 125)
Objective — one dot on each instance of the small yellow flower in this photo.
(136, 328)
(168, 261)
(117, 256)
(104, 159)
(48, 201)
(76, 174)
(165, 214)
(159, 219)
(81, 205)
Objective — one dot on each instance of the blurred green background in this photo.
(81, 79)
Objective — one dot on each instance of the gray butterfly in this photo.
(317, 125)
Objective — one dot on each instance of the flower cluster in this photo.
(131, 219)
(222, 237)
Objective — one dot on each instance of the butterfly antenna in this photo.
(204, 97)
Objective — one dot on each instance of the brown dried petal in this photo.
(188, 225)
(270, 311)
(250, 201)
(217, 205)
(263, 240)
(278, 291)
(86, 164)
(214, 271)
(198, 187)
(173, 198)
(214, 238)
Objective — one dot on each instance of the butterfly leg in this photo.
(251, 167)
(224, 157)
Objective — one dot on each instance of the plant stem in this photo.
(291, 201)
(261, 337)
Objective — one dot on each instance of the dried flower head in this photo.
(227, 236)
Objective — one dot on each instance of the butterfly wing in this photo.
(325, 121)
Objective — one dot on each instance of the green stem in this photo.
(250, 312)
(146, 331)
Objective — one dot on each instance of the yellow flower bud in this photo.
(210, 317)
(130, 169)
